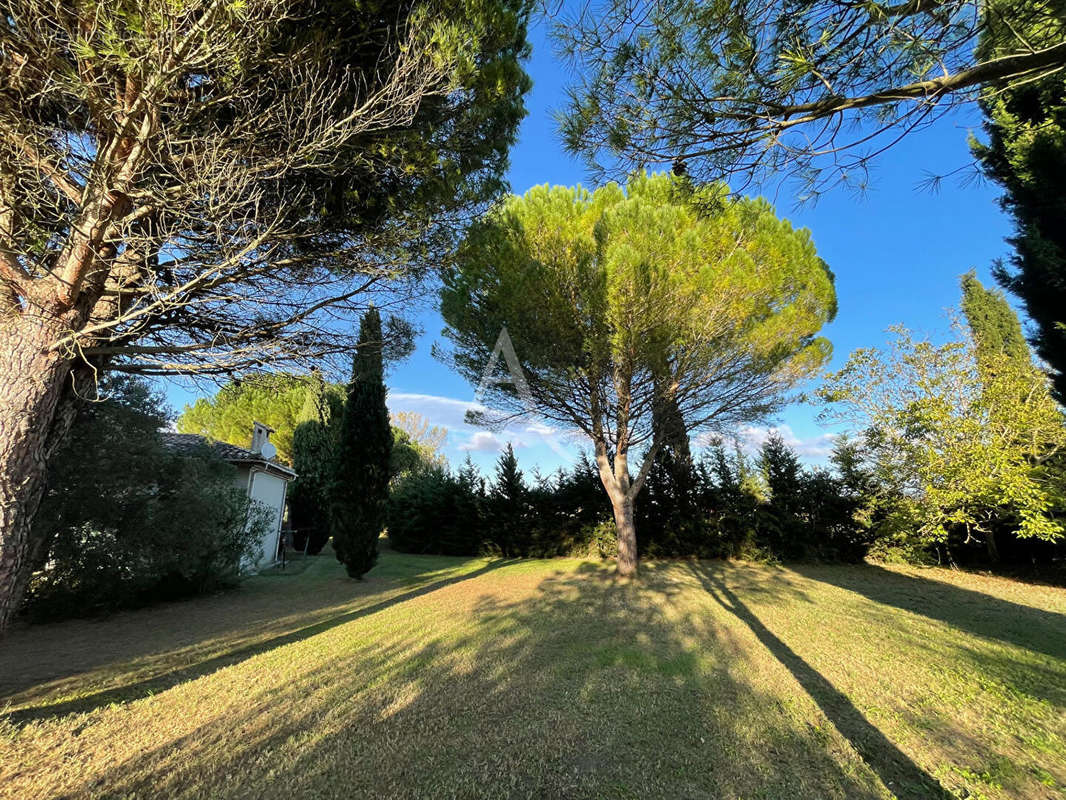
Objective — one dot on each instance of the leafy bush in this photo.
(434, 511)
(127, 522)
(602, 541)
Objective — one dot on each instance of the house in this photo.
(258, 474)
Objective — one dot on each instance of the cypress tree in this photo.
(1025, 153)
(313, 454)
(996, 329)
(360, 489)
(1000, 346)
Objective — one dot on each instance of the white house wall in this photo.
(269, 490)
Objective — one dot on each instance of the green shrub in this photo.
(433, 511)
(602, 540)
(725, 506)
(127, 522)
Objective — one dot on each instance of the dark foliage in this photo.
(571, 513)
(314, 445)
(434, 511)
(360, 491)
(721, 505)
(716, 507)
(1025, 153)
(509, 510)
(724, 506)
(669, 519)
(126, 522)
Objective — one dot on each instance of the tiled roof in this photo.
(188, 443)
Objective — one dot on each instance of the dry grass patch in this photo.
(450, 678)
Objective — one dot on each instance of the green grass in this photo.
(441, 677)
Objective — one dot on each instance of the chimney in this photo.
(260, 436)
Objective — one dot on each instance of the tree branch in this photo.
(987, 72)
(47, 167)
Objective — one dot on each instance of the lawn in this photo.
(442, 677)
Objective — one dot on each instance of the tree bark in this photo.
(627, 533)
(36, 409)
(622, 491)
(993, 550)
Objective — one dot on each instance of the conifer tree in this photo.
(509, 505)
(996, 329)
(471, 478)
(470, 502)
(361, 479)
(314, 445)
(510, 482)
(781, 470)
(1024, 152)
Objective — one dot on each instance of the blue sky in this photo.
(897, 253)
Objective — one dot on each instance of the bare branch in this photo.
(48, 166)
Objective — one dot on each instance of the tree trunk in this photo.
(36, 408)
(627, 533)
(993, 550)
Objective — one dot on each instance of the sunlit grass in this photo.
(444, 677)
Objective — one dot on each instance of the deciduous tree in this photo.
(273, 398)
(416, 443)
(970, 442)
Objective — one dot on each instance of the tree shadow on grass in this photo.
(974, 612)
(898, 772)
(167, 679)
(517, 685)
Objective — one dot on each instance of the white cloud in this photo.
(483, 442)
(752, 437)
(812, 447)
(450, 413)
(541, 429)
